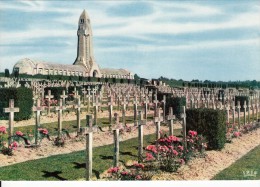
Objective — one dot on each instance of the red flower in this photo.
(151, 148)
(149, 157)
(175, 152)
(138, 177)
(192, 133)
(124, 173)
(173, 139)
(113, 170)
(3, 129)
(139, 165)
(236, 134)
(180, 147)
(19, 133)
(182, 161)
(13, 145)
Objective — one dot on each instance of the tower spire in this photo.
(85, 55)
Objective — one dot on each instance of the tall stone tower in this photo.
(85, 55)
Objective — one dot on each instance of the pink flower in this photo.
(182, 161)
(43, 131)
(180, 147)
(138, 177)
(124, 173)
(175, 152)
(19, 133)
(3, 129)
(149, 157)
(151, 148)
(237, 134)
(13, 145)
(113, 170)
(139, 165)
(173, 139)
(192, 133)
(163, 148)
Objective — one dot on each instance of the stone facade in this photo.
(84, 65)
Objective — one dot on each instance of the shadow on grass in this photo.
(127, 153)
(54, 174)
(106, 157)
(79, 165)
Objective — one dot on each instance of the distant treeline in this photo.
(211, 84)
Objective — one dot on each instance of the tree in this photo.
(136, 77)
(7, 73)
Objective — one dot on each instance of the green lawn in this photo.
(248, 164)
(71, 166)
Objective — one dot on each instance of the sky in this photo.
(204, 40)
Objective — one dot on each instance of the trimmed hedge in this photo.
(22, 99)
(241, 99)
(176, 103)
(210, 123)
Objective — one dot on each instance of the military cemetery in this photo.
(81, 122)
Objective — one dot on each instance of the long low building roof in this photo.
(110, 71)
(26, 62)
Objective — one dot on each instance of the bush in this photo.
(22, 99)
(176, 103)
(210, 123)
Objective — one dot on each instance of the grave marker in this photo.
(157, 120)
(11, 110)
(170, 119)
(38, 108)
(78, 106)
(49, 97)
(59, 109)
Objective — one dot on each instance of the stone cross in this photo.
(89, 147)
(245, 107)
(11, 110)
(157, 120)
(124, 103)
(60, 108)
(191, 102)
(248, 111)
(183, 116)
(84, 92)
(146, 102)
(93, 95)
(227, 110)
(38, 108)
(238, 111)
(88, 97)
(63, 97)
(135, 102)
(155, 104)
(141, 122)
(170, 119)
(257, 107)
(78, 106)
(96, 105)
(49, 97)
(116, 147)
(89, 142)
(253, 110)
(233, 111)
(110, 109)
(164, 106)
(118, 101)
